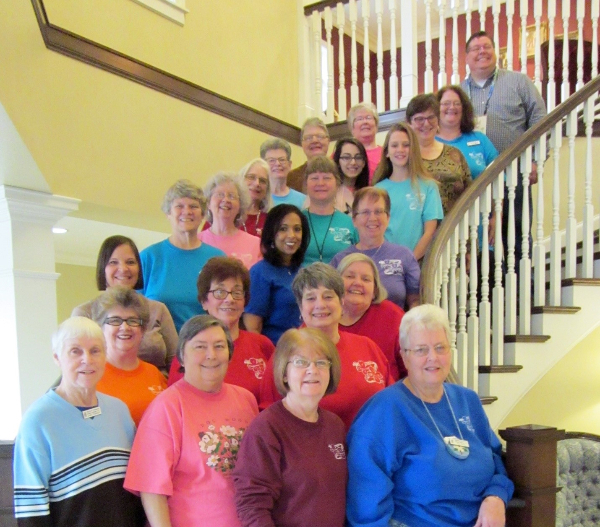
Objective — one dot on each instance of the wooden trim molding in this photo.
(77, 47)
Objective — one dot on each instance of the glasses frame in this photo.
(235, 293)
(132, 322)
(423, 351)
(301, 363)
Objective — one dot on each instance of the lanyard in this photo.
(487, 102)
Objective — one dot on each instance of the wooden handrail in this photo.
(475, 190)
(319, 6)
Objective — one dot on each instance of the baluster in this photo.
(316, 31)
(442, 76)
(588, 208)
(393, 65)
(498, 292)
(555, 252)
(341, 19)
(595, 8)
(524, 11)
(473, 321)
(366, 52)
(482, 10)
(452, 293)
(380, 81)
(353, 54)
(445, 261)
(510, 327)
(525, 263)
(437, 284)
(468, 17)
(455, 76)
(496, 18)
(510, 13)
(461, 336)
(428, 54)
(580, 16)
(565, 88)
(537, 14)
(485, 321)
(539, 249)
(571, 230)
(551, 92)
(330, 94)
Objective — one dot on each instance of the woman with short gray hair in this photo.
(363, 122)
(170, 268)
(228, 202)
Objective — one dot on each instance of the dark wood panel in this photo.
(6, 485)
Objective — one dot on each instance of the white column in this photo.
(27, 298)
(305, 105)
(408, 74)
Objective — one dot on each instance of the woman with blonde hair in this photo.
(416, 206)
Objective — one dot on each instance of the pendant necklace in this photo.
(322, 247)
(458, 448)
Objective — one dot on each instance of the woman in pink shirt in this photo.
(363, 121)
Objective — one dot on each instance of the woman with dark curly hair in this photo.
(350, 157)
(272, 309)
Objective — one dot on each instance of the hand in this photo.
(533, 175)
(492, 513)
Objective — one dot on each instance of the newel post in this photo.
(531, 464)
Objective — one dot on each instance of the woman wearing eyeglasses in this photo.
(291, 467)
(444, 162)
(422, 452)
(123, 316)
(224, 291)
(255, 175)
(363, 121)
(351, 160)
(228, 202)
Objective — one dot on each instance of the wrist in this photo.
(493, 497)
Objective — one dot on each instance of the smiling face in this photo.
(359, 284)
(229, 310)
(257, 179)
(481, 57)
(122, 267)
(315, 142)
(310, 383)
(427, 373)
(185, 215)
(364, 127)
(351, 161)
(205, 359)
(371, 220)
(279, 164)
(81, 361)
(450, 109)
(398, 149)
(224, 203)
(321, 187)
(122, 340)
(425, 125)
(321, 308)
(289, 236)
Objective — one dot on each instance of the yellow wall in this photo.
(568, 396)
(76, 285)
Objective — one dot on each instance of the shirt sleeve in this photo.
(146, 269)
(489, 150)
(260, 292)
(432, 208)
(412, 273)
(169, 334)
(535, 109)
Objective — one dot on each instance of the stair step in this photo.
(526, 338)
(487, 399)
(567, 282)
(555, 310)
(513, 368)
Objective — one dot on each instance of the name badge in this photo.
(473, 143)
(92, 412)
(481, 123)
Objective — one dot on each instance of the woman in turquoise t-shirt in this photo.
(414, 194)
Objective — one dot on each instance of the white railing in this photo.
(430, 36)
(480, 321)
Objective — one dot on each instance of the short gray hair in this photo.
(196, 325)
(315, 275)
(267, 202)
(370, 107)
(73, 328)
(314, 121)
(119, 296)
(183, 188)
(426, 316)
(220, 178)
(275, 143)
(380, 291)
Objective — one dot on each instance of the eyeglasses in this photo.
(367, 213)
(272, 161)
(447, 104)
(221, 294)
(229, 195)
(346, 158)
(482, 47)
(253, 179)
(362, 118)
(423, 351)
(326, 178)
(303, 364)
(420, 120)
(117, 321)
(315, 137)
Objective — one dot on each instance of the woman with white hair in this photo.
(255, 175)
(228, 202)
(363, 122)
(73, 445)
(422, 452)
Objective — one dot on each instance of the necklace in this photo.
(312, 229)
(458, 448)
(366, 251)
